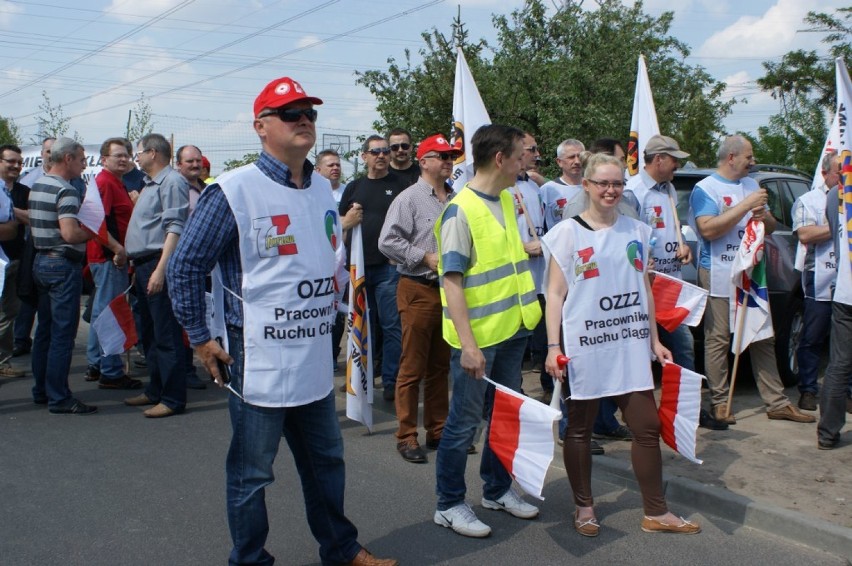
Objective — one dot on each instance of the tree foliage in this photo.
(245, 160)
(9, 131)
(803, 82)
(558, 74)
(142, 124)
(52, 121)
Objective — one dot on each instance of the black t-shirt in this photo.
(20, 199)
(133, 180)
(375, 197)
(409, 176)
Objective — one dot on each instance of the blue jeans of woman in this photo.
(313, 435)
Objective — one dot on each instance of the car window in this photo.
(776, 200)
(797, 188)
(683, 186)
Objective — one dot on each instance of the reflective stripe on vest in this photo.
(499, 289)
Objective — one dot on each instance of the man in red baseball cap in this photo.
(408, 239)
(273, 228)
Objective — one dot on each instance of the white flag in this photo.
(643, 124)
(359, 356)
(469, 114)
(749, 302)
(680, 407)
(91, 214)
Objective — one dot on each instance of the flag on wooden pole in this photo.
(643, 123)
(359, 358)
(750, 318)
(115, 327)
(469, 114)
(91, 214)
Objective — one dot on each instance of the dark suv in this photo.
(784, 186)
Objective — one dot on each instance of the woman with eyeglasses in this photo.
(599, 297)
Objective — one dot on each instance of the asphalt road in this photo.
(116, 488)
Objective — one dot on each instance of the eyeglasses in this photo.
(441, 156)
(402, 146)
(13, 161)
(140, 152)
(607, 184)
(379, 151)
(291, 115)
(532, 148)
(120, 156)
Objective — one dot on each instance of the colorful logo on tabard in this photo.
(584, 267)
(272, 237)
(330, 225)
(634, 255)
(654, 217)
(727, 202)
(560, 205)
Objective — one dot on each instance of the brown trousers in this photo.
(640, 414)
(425, 357)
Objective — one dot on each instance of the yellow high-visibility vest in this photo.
(498, 288)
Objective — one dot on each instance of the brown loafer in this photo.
(651, 525)
(588, 527)
(159, 411)
(719, 414)
(138, 401)
(364, 558)
(790, 413)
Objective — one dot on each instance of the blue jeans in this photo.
(503, 365)
(313, 435)
(110, 282)
(163, 342)
(59, 282)
(816, 325)
(381, 283)
(681, 344)
(24, 323)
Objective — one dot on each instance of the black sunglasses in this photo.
(379, 151)
(398, 146)
(291, 115)
(441, 156)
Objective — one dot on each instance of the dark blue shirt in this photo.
(211, 236)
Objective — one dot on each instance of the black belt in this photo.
(422, 280)
(65, 253)
(142, 260)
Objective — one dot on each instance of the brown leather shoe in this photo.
(364, 558)
(411, 451)
(138, 401)
(719, 414)
(790, 413)
(587, 527)
(651, 525)
(159, 411)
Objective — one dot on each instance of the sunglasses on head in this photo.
(441, 156)
(291, 115)
(379, 151)
(398, 146)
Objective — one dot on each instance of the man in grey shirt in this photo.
(152, 235)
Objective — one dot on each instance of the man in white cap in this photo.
(273, 228)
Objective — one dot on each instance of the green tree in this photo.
(803, 82)
(52, 121)
(245, 160)
(568, 73)
(142, 124)
(9, 131)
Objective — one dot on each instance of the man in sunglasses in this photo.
(273, 230)
(408, 239)
(365, 201)
(401, 151)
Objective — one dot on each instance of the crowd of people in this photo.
(462, 282)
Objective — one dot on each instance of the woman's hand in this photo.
(551, 365)
(663, 354)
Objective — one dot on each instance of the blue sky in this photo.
(202, 62)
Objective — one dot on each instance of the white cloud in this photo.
(307, 40)
(7, 12)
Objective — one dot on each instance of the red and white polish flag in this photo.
(680, 406)
(677, 302)
(91, 214)
(115, 327)
(521, 436)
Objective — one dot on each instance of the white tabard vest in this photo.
(532, 203)
(843, 289)
(825, 264)
(724, 249)
(554, 196)
(655, 210)
(605, 319)
(288, 243)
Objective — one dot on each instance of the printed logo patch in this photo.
(330, 225)
(584, 267)
(654, 217)
(272, 238)
(634, 255)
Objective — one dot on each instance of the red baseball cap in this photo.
(436, 143)
(281, 92)
(205, 162)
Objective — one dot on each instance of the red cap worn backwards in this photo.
(281, 92)
(436, 143)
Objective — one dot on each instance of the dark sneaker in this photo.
(93, 373)
(193, 382)
(596, 449)
(140, 363)
(706, 420)
(74, 407)
(620, 433)
(19, 351)
(808, 401)
(849, 406)
(389, 393)
(123, 382)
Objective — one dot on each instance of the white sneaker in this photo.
(512, 504)
(462, 520)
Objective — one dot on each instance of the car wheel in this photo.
(787, 341)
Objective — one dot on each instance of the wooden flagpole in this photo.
(526, 214)
(738, 341)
